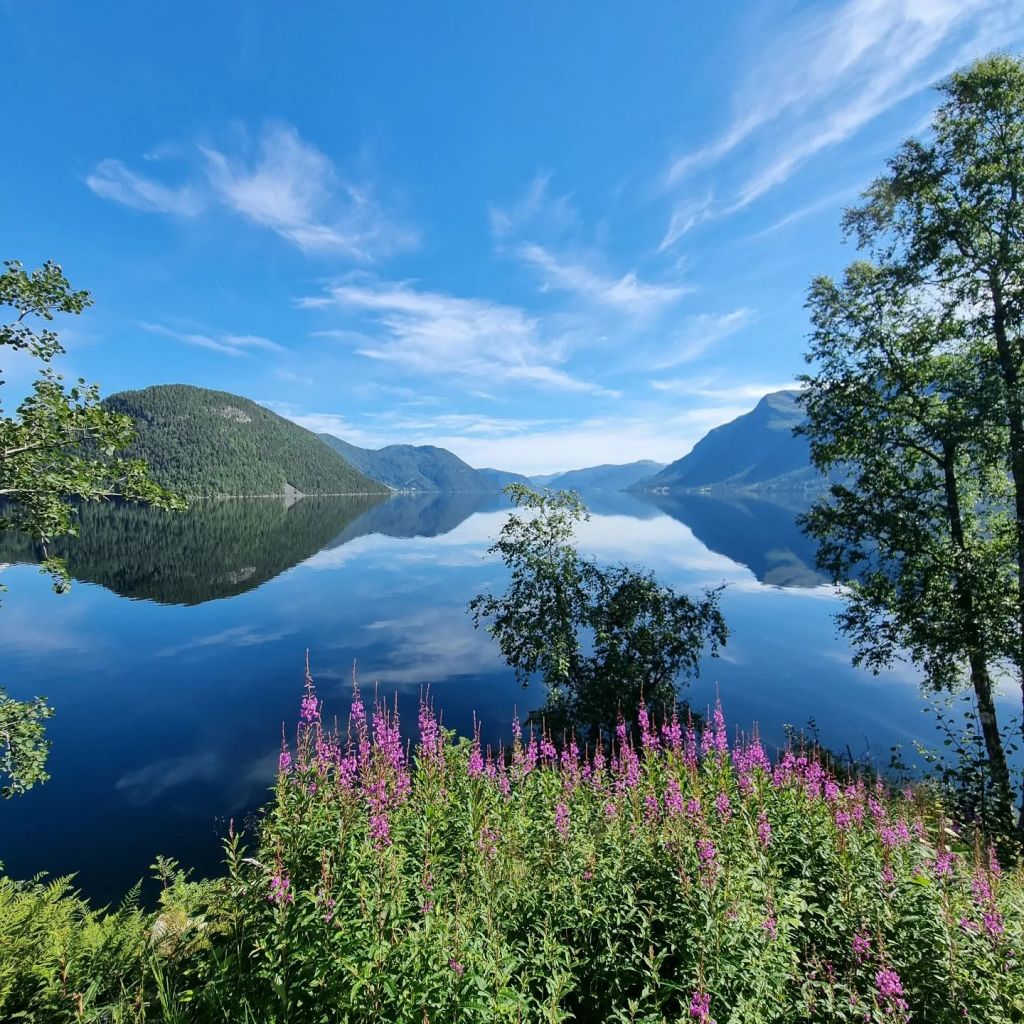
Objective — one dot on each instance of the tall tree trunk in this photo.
(1010, 370)
(980, 679)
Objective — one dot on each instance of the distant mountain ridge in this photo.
(407, 467)
(607, 477)
(755, 451)
(211, 443)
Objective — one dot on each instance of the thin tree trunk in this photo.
(1015, 419)
(980, 678)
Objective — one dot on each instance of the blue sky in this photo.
(542, 234)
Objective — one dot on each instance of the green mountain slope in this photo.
(604, 478)
(755, 451)
(496, 479)
(407, 467)
(203, 442)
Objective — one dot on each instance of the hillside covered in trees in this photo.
(409, 467)
(204, 442)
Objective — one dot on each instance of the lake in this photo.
(179, 652)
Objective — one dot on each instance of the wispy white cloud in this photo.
(828, 73)
(281, 182)
(112, 180)
(565, 264)
(710, 388)
(225, 344)
(536, 206)
(627, 293)
(699, 334)
(292, 188)
(430, 333)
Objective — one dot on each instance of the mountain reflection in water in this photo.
(176, 657)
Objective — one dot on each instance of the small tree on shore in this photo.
(58, 446)
(602, 638)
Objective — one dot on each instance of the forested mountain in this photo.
(408, 467)
(203, 442)
(755, 451)
(602, 478)
(499, 478)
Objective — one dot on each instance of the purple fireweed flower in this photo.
(476, 759)
(700, 1007)
(456, 967)
(672, 733)
(648, 737)
(280, 889)
(890, 990)
(284, 762)
(380, 829)
(693, 809)
(348, 769)
(720, 740)
(895, 835)
(430, 734)
(981, 887)
(861, 946)
(764, 830)
(650, 808)
(993, 922)
(723, 806)
(309, 710)
(690, 746)
(877, 810)
(888, 875)
(944, 861)
(426, 907)
(706, 850)
(972, 927)
(629, 769)
(562, 820)
(673, 798)
(548, 753)
(831, 791)
(843, 820)
(610, 810)
(771, 926)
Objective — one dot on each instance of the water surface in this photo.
(179, 651)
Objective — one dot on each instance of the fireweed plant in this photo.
(671, 876)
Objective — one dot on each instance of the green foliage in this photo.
(603, 639)
(917, 393)
(58, 448)
(453, 885)
(205, 442)
(23, 743)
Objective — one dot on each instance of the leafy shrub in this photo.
(672, 877)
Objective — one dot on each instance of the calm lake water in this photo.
(178, 654)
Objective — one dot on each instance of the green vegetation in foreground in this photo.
(59, 447)
(667, 879)
(204, 442)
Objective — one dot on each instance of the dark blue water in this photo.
(179, 651)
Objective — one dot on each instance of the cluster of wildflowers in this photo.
(732, 827)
